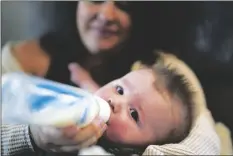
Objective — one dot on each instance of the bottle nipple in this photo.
(104, 109)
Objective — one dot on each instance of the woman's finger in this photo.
(70, 132)
(94, 129)
(55, 136)
(75, 148)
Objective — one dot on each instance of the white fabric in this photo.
(225, 138)
(202, 140)
(94, 150)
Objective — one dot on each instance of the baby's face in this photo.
(141, 114)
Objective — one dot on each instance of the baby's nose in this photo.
(115, 106)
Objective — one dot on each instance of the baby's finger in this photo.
(91, 86)
(74, 68)
(78, 74)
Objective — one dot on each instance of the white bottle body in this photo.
(31, 100)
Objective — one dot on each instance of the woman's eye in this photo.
(122, 5)
(120, 90)
(134, 114)
(97, 2)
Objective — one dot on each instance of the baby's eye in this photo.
(119, 90)
(134, 114)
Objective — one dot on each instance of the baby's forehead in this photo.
(141, 74)
(140, 80)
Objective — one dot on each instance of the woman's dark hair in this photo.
(64, 45)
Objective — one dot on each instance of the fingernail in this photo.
(101, 131)
(99, 122)
(104, 128)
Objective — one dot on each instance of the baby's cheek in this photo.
(103, 93)
(117, 131)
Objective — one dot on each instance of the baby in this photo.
(149, 106)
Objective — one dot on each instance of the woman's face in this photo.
(103, 25)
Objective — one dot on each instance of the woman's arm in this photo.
(26, 56)
(15, 139)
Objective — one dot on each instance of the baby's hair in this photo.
(178, 88)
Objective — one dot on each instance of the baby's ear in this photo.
(137, 65)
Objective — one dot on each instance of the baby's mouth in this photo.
(108, 122)
(111, 106)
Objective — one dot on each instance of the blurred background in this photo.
(30, 19)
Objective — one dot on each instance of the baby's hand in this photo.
(81, 77)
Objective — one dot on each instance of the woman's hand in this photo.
(81, 77)
(69, 139)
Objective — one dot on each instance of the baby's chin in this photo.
(112, 137)
(107, 143)
(112, 146)
(113, 133)
(108, 135)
